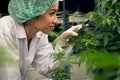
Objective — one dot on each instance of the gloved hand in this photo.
(63, 39)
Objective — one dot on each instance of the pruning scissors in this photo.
(84, 23)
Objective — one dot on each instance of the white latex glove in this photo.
(63, 38)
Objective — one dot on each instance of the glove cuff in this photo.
(62, 42)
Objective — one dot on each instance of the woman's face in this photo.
(46, 22)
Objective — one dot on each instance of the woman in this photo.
(25, 34)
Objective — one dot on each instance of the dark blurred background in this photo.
(3, 7)
(71, 5)
(78, 5)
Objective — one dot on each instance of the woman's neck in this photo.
(30, 31)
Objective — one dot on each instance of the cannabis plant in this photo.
(99, 44)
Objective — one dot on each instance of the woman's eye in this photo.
(52, 13)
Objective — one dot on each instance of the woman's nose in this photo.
(55, 20)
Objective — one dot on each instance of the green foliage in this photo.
(5, 58)
(104, 30)
(103, 64)
(59, 74)
(53, 36)
(59, 55)
(99, 44)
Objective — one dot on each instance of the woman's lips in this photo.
(52, 27)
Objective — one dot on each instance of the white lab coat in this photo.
(13, 36)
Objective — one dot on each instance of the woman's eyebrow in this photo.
(53, 10)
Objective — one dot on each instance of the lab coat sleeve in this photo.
(43, 60)
(9, 70)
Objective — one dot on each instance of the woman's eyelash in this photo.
(52, 13)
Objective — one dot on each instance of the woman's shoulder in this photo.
(7, 20)
(8, 17)
(7, 24)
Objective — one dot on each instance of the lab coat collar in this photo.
(39, 34)
(21, 31)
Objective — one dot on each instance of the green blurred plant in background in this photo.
(99, 44)
(5, 58)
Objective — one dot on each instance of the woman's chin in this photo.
(47, 32)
